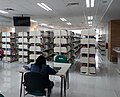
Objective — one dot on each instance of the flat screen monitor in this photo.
(21, 21)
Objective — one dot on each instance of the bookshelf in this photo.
(48, 45)
(0, 39)
(63, 44)
(87, 59)
(102, 44)
(76, 44)
(23, 45)
(10, 46)
(41, 43)
(35, 45)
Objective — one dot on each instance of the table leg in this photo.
(61, 91)
(3, 63)
(67, 79)
(118, 61)
(21, 84)
(64, 86)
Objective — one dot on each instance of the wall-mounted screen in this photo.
(21, 21)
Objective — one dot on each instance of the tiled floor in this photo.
(106, 83)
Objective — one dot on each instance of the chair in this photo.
(34, 84)
(61, 59)
(1, 95)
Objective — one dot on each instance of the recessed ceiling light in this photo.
(90, 3)
(44, 6)
(90, 17)
(87, 3)
(4, 12)
(89, 22)
(90, 25)
(63, 19)
(68, 23)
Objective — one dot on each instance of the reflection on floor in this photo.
(106, 83)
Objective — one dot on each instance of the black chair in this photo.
(34, 84)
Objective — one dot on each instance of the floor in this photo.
(106, 83)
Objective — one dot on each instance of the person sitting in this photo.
(1, 53)
(45, 70)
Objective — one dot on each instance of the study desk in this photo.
(117, 50)
(63, 73)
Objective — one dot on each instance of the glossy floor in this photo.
(106, 83)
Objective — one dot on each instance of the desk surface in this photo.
(64, 67)
(116, 49)
(62, 71)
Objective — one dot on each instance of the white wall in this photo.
(105, 31)
(22, 29)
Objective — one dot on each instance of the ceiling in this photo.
(104, 11)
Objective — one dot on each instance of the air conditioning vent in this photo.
(104, 1)
(73, 4)
(9, 9)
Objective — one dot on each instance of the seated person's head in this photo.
(41, 60)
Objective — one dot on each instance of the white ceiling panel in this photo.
(113, 12)
(104, 11)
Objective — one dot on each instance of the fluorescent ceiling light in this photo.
(51, 26)
(63, 19)
(90, 17)
(44, 24)
(90, 3)
(33, 21)
(44, 6)
(90, 25)
(4, 12)
(68, 23)
(89, 22)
